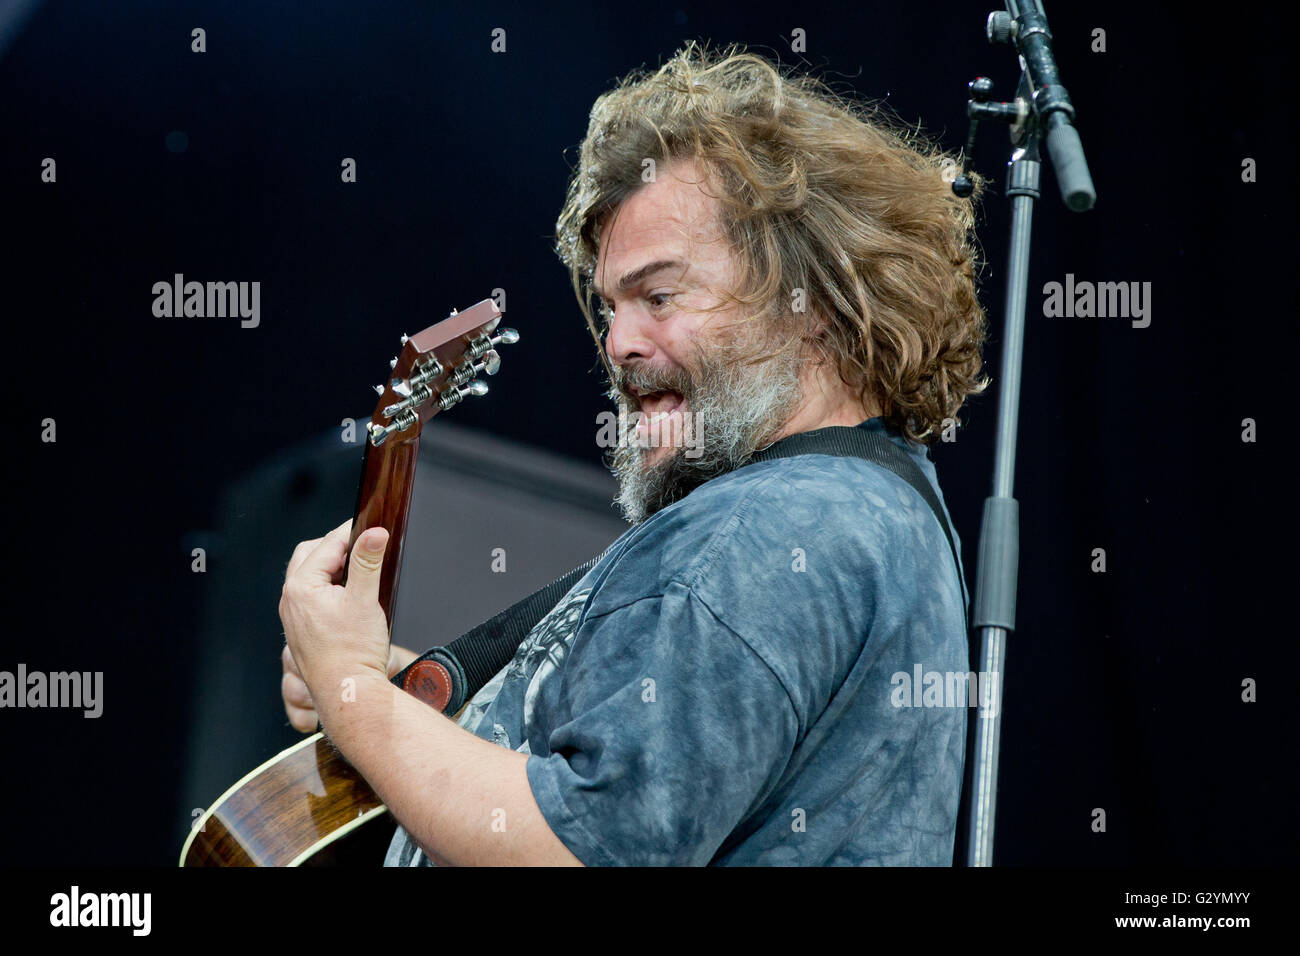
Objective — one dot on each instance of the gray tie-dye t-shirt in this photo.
(733, 682)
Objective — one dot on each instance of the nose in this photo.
(629, 336)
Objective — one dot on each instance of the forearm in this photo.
(465, 800)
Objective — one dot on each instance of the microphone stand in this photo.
(1040, 111)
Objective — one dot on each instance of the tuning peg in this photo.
(392, 362)
(379, 433)
(483, 343)
(379, 389)
(427, 372)
(415, 397)
(405, 338)
(458, 395)
(490, 363)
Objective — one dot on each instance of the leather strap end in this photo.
(436, 678)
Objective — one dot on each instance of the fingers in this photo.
(303, 721)
(324, 564)
(367, 565)
(290, 665)
(299, 555)
(298, 703)
(317, 560)
(305, 548)
(295, 693)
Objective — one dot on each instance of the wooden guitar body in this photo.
(305, 806)
(308, 805)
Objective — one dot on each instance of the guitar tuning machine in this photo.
(379, 433)
(458, 395)
(427, 372)
(413, 397)
(457, 388)
(484, 343)
(416, 391)
(491, 363)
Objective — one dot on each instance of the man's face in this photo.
(663, 270)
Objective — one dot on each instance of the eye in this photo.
(659, 300)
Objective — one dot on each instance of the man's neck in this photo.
(827, 401)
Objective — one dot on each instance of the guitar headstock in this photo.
(437, 369)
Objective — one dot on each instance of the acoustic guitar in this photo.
(307, 805)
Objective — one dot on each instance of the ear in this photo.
(816, 338)
(821, 323)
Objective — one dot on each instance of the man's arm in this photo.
(464, 800)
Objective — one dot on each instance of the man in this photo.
(721, 687)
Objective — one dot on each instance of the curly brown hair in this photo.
(830, 205)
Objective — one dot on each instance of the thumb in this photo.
(366, 563)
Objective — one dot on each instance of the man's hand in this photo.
(297, 698)
(415, 758)
(332, 632)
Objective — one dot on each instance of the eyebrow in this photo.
(639, 274)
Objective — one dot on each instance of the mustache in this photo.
(649, 378)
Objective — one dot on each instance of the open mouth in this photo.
(655, 405)
(660, 420)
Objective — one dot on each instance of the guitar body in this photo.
(308, 806)
(304, 807)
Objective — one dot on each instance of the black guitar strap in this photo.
(447, 677)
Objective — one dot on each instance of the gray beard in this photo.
(735, 410)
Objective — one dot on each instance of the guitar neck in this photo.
(436, 370)
(384, 501)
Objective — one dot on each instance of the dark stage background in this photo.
(1123, 689)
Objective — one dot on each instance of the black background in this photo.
(1122, 689)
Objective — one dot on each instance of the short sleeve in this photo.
(668, 732)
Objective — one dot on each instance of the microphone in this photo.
(1025, 23)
